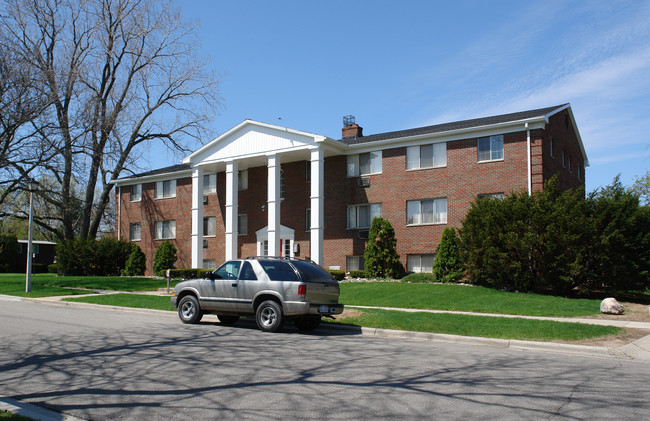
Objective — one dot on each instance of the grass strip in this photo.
(464, 298)
(481, 326)
(155, 302)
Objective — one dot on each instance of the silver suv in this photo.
(272, 289)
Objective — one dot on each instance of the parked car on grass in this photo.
(272, 289)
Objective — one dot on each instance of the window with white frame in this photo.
(135, 231)
(209, 183)
(242, 224)
(361, 216)
(209, 264)
(490, 148)
(136, 192)
(499, 196)
(165, 230)
(242, 180)
(354, 263)
(426, 156)
(419, 263)
(209, 226)
(430, 211)
(364, 164)
(165, 189)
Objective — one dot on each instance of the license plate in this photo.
(324, 309)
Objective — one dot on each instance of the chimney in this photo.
(350, 128)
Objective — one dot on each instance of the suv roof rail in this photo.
(279, 258)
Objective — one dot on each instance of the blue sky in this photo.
(398, 65)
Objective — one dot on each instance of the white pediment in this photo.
(251, 139)
(285, 232)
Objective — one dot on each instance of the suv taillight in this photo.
(302, 289)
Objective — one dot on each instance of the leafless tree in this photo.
(120, 76)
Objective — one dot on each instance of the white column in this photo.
(232, 206)
(197, 217)
(274, 204)
(317, 205)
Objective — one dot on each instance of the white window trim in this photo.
(356, 260)
(242, 180)
(353, 168)
(131, 231)
(419, 265)
(207, 219)
(478, 152)
(172, 229)
(356, 215)
(211, 187)
(239, 230)
(419, 167)
(446, 213)
(159, 190)
(139, 187)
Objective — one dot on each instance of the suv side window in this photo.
(279, 271)
(247, 273)
(228, 270)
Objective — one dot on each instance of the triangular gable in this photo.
(250, 139)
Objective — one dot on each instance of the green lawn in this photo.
(488, 327)
(464, 298)
(45, 284)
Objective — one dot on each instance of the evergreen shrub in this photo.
(164, 258)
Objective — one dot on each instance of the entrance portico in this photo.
(255, 144)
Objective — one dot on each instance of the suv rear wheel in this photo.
(189, 310)
(269, 316)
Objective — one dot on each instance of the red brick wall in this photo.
(560, 129)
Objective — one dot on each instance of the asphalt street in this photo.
(102, 364)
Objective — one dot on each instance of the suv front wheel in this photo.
(269, 316)
(189, 310)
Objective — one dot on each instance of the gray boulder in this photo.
(611, 306)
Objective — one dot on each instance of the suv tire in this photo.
(269, 316)
(189, 310)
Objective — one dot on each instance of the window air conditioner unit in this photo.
(205, 244)
(363, 235)
(205, 200)
(364, 181)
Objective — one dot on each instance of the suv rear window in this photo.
(311, 272)
(279, 271)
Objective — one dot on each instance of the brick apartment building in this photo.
(262, 189)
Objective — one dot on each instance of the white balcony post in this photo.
(197, 217)
(273, 204)
(317, 205)
(232, 206)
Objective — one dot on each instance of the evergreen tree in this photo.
(136, 264)
(164, 258)
(381, 258)
(448, 266)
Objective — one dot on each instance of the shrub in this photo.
(357, 274)
(448, 265)
(380, 256)
(84, 256)
(194, 273)
(136, 264)
(8, 251)
(337, 274)
(53, 268)
(164, 258)
(419, 278)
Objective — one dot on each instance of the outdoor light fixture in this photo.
(31, 185)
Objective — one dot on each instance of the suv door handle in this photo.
(234, 284)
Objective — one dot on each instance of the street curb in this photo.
(638, 350)
(32, 411)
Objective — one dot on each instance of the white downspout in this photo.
(530, 163)
(119, 212)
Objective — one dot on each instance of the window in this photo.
(490, 148)
(209, 183)
(308, 220)
(165, 189)
(421, 212)
(499, 196)
(209, 226)
(279, 271)
(364, 164)
(286, 248)
(134, 232)
(242, 224)
(136, 192)
(354, 263)
(550, 147)
(228, 270)
(361, 216)
(426, 156)
(165, 230)
(418, 263)
(242, 180)
(209, 264)
(247, 273)
(265, 248)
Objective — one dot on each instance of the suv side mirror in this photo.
(209, 275)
